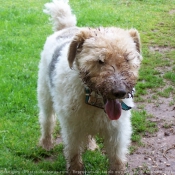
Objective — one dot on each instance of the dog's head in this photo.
(108, 60)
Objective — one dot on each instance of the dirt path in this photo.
(157, 156)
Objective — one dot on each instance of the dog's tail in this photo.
(61, 14)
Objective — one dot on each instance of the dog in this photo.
(87, 77)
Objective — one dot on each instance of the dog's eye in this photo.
(130, 56)
(100, 62)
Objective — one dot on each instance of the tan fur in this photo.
(135, 35)
(107, 54)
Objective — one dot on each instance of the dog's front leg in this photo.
(116, 158)
(75, 166)
(73, 148)
(116, 148)
(116, 167)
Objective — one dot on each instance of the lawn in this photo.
(23, 30)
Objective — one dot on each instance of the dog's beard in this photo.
(112, 106)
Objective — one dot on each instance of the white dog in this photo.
(86, 78)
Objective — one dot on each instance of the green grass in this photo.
(140, 127)
(24, 29)
(170, 76)
(167, 125)
(166, 92)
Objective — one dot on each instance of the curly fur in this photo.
(104, 59)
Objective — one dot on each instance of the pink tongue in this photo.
(113, 109)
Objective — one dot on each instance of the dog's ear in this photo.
(136, 37)
(76, 45)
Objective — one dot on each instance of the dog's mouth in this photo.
(113, 109)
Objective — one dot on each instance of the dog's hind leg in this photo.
(92, 145)
(46, 114)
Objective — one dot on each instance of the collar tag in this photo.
(93, 99)
(125, 107)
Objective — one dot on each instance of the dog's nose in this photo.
(120, 93)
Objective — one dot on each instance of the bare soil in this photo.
(157, 155)
(160, 49)
(172, 12)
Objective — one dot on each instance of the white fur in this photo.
(60, 13)
(66, 98)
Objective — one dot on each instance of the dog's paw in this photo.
(117, 168)
(46, 143)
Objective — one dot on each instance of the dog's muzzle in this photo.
(95, 99)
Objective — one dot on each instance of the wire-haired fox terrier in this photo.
(87, 77)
